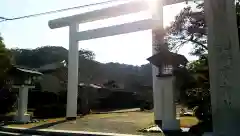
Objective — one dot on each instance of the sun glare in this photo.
(153, 4)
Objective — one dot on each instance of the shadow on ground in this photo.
(34, 130)
(47, 125)
(9, 121)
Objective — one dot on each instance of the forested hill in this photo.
(90, 70)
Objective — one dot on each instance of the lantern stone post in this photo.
(23, 81)
(22, 103)
(166, 62)
(158, 40)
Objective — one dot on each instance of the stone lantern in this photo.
(167, 63)
(23, 80)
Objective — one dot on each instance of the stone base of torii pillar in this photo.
(22, 116)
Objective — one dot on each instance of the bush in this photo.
(50, 111)
(38, 98)
(146, 106)
(119, 100)
(204, 115)
(7, 100)
(203, 112)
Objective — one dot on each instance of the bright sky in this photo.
(34, 32)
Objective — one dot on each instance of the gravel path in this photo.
(126, 123)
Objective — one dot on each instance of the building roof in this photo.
(52, 66)
(90, 85)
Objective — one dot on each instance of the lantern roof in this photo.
(166, 57)
(15, 70)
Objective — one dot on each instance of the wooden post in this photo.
(223, 48)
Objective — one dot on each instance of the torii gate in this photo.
(221, 32)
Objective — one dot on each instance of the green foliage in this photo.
(199, 89)
(7, 100)
(87, 54)
(50, 111)
(5, 62)
(199, 94)
(198, 65)
(90, 71)
(111, 84)
(189, 28)
(35, 58)
(45, 55)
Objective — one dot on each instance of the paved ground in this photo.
(124, 121)
(14, 134)
(128, 123)
(50, 132)
(119, 111)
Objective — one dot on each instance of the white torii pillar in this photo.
(156, 23)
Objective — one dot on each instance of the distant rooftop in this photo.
(52, 66)
(90, 85)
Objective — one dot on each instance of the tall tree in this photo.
(189, 28)
(5, 61)
(90, 71)
(34, 58)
